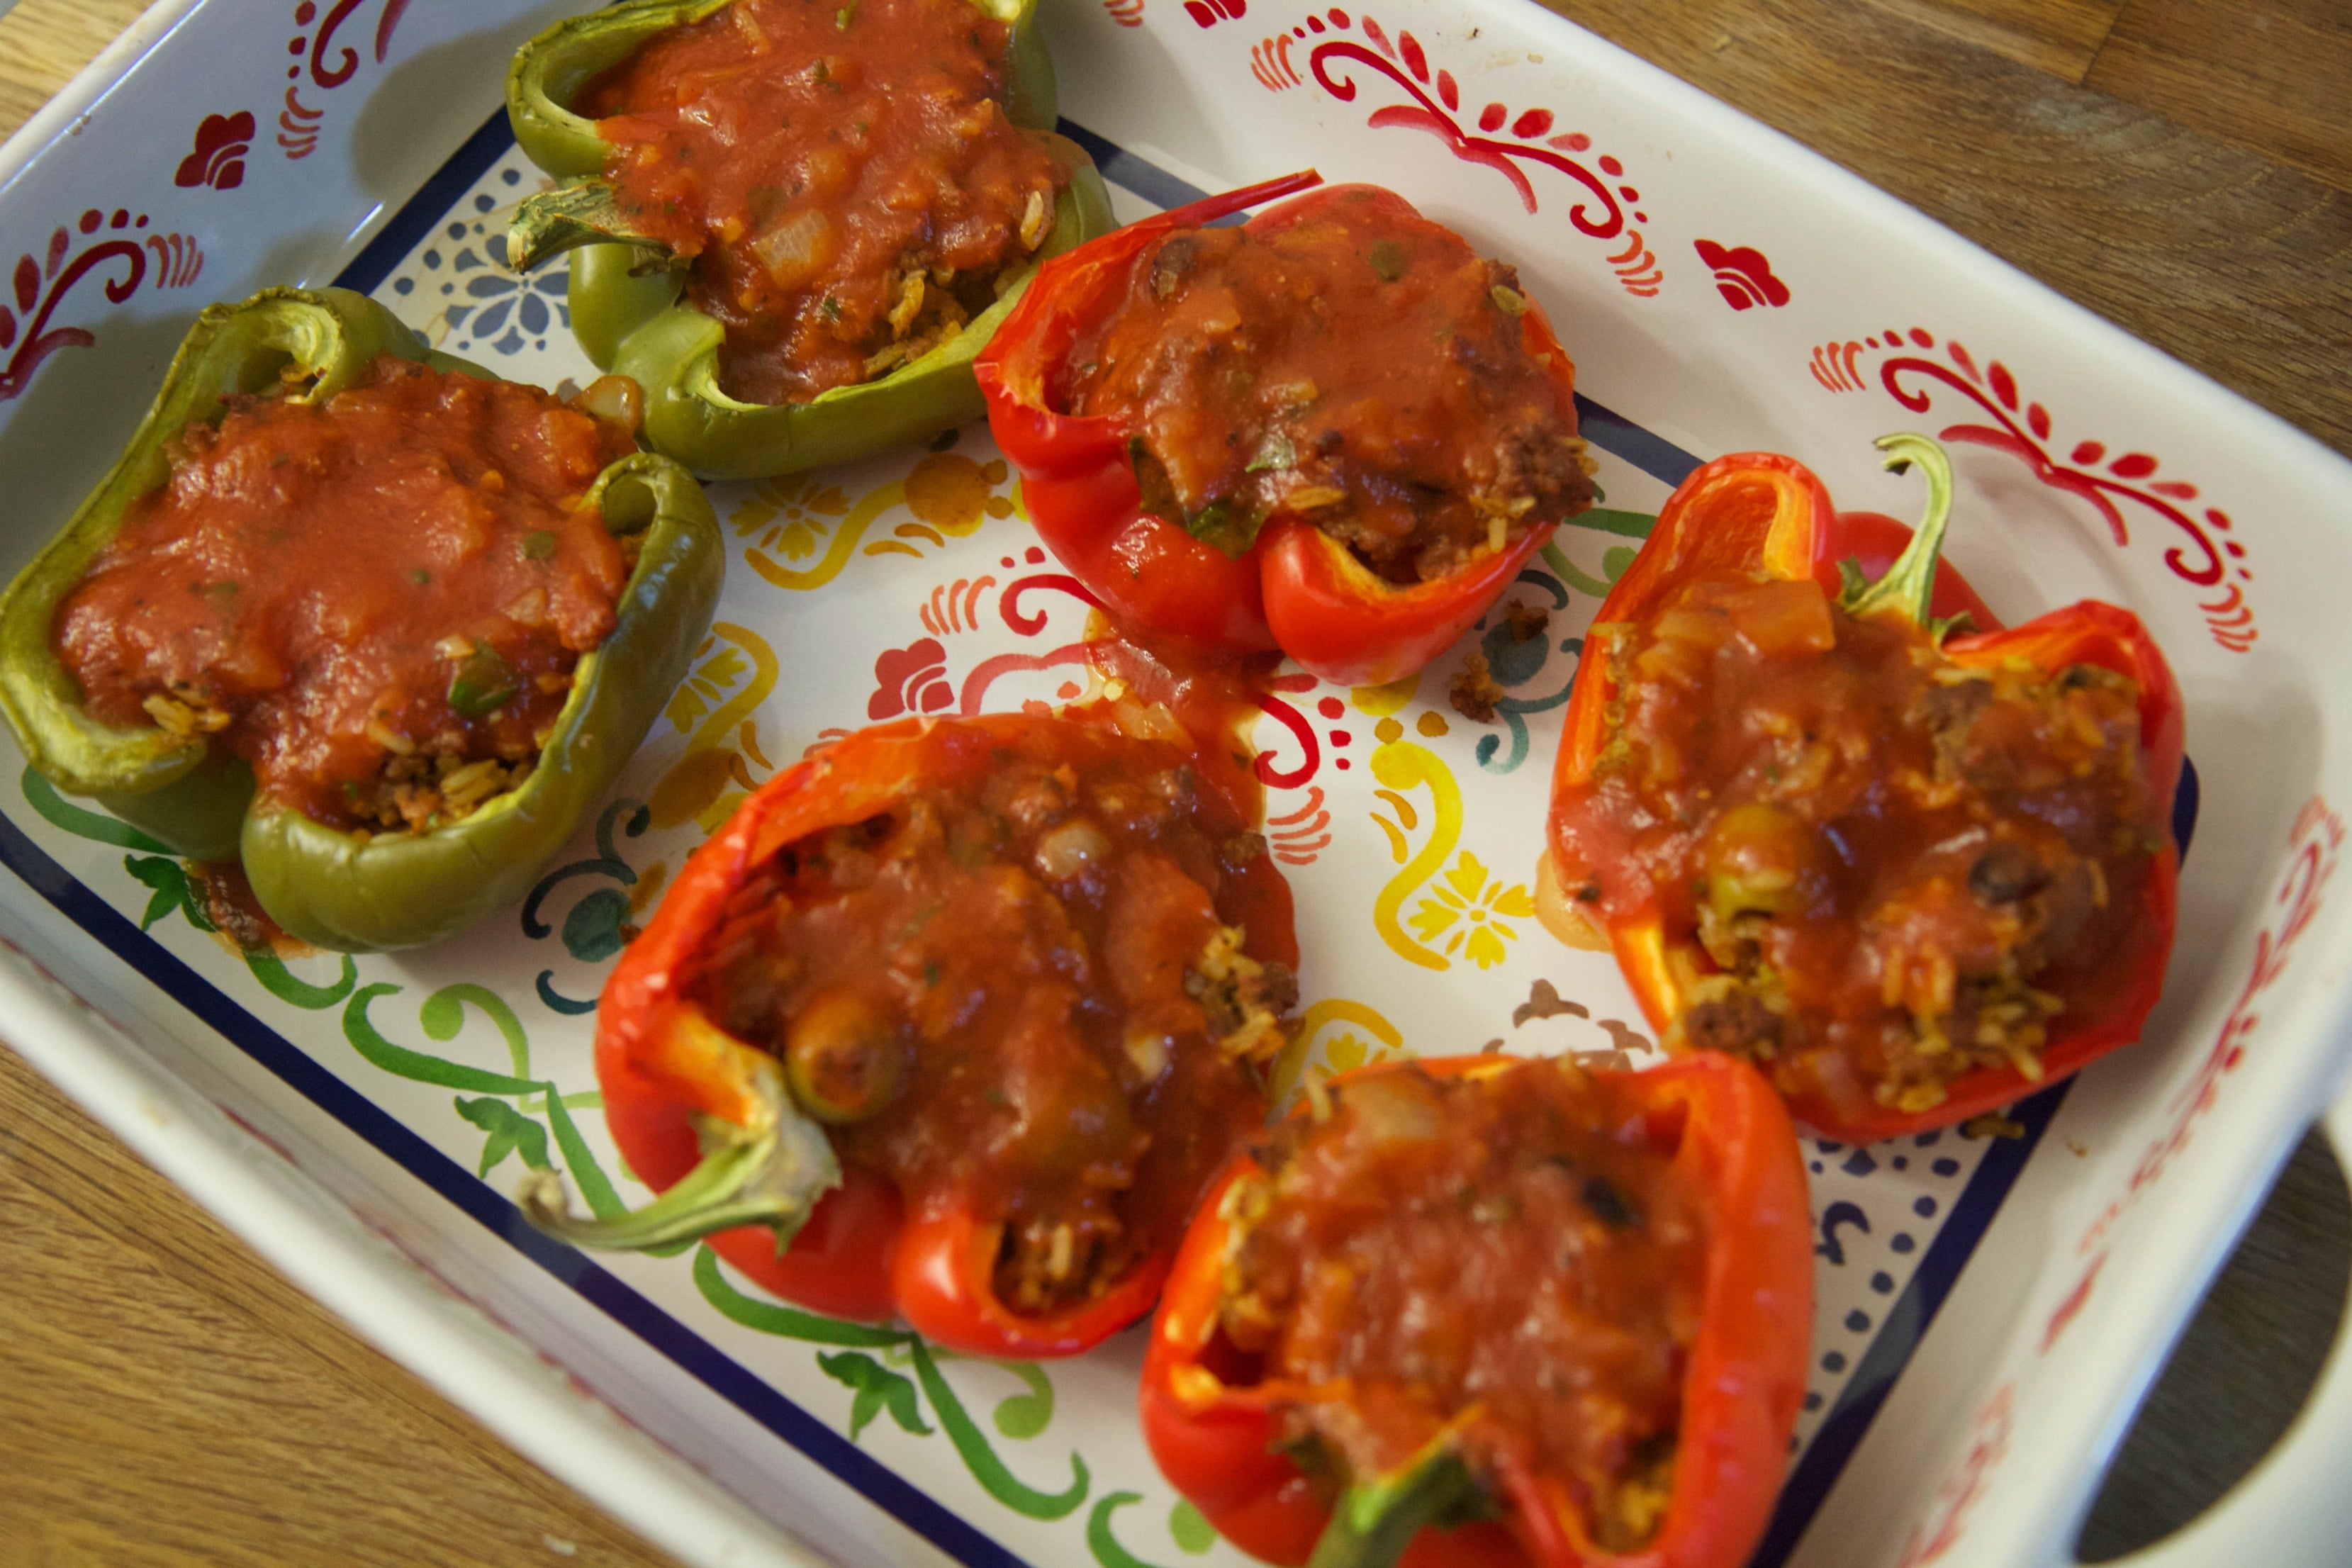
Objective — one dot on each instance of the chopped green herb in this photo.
(930, 974)
(1852, 583)
(224, 590)
(832, 308)
(1510, 302)
(483, 684)
(1275, 452)
(841, 17)
(1388, 260)
(419, 575)
(1229, 529)
(538, 545)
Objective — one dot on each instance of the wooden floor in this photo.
(2181, 166)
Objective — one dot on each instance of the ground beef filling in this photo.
(1508, 1254)
(1899, 869)
(1018, 991)
(842, 178)
(376, 599)
(1360, 369)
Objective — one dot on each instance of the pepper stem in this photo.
(771, 1175)
(1375, 1521)
(1909, 586)
(583, 213)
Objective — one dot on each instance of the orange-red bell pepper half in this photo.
(1769, 514)
(694, 1109)
(1295, 588)
(1208, 1413)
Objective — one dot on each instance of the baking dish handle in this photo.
(2293, 1509)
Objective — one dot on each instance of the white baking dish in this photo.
(1989, 1311)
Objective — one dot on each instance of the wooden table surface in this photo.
(2183, 167)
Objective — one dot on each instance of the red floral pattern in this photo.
(2208, 560)
(219, 161)
(39, 286)
(1742, 276)
(1510, 144)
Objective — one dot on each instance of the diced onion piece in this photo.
(797, 249)
(1784, 617)
(1070, 849)
(616, 400)
(1391, 1108)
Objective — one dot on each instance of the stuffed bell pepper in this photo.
(366, 618)
(1911, 869)
(1335, 429)
(1473, 1311)
(801, 220)
(952, 1022)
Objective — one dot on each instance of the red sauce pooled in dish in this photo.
(364, 597)
(1512, 1251)
(1022, 988)
(1898, 869)
(1360, 368)
(842, 176)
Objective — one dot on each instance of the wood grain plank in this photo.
(171, 1401)
(2212, 253)
(2274, 76)
(2058, 37)
(43, 43)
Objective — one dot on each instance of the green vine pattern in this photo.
(508, 1128)
(170, 888)
(876, 1388)
(887, 1372)
(595, 927)
(1514, 664)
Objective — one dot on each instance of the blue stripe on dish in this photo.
(1841, 1431)
(1832, 1444)
(883, 1487)
(425, 209)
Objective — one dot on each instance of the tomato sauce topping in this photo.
(841, 175)
(376, 599)
(1901, 867)
(1507, 1254)
(1360, 368)
(1021, 988)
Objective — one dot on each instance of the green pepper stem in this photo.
(586, 211)
(772, 1174)
(1375, 1521)
(1908, 589)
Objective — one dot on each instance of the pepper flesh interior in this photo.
(1877, 868)
(1359, 368)
(843, 181)
(376, 599)
(1058, 1024)
(1495, 1266)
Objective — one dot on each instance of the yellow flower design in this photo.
(1471, 905)
(700, 692)
(791, 512)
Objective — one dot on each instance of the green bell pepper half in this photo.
(626, 299)
(325, 886)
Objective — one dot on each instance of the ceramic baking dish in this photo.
(1991, 1309)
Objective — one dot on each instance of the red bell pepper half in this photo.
(1295, 588)
(1210, 1414)
(1770, 515)
(707, 1121)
